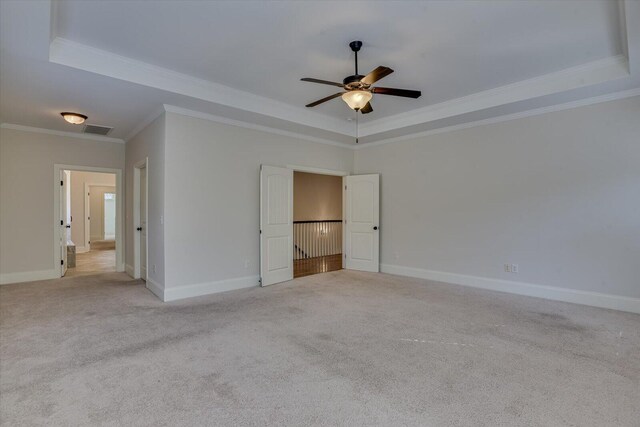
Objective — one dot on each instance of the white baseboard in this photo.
(129, 270)
(156, 288)
(81, 249)
(199, 289)
(29, 276)
(595, 299)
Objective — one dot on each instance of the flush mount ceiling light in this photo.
(357, 99)
(74, 118)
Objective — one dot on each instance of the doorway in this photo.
(360, 203)
(317, 223)
(140, 219)
(88, 220)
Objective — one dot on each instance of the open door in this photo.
(362, 222)
(276, 225)
(143, 223)
(65, 220)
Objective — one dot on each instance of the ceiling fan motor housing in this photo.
(353, 82)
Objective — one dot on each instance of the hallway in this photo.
(96, 261)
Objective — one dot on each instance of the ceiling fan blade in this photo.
(376, 75)
(397, 92)
(366, 109)
(324, 82)
(328, 98)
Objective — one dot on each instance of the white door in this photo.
(65, 220)
(362, 222)
(143, 224)
(276, 225)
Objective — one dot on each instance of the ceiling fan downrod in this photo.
(355, 47)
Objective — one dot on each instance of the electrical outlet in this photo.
(246, 263)
(514, 268)
(396, 255)
(154, 268)
(507, 268)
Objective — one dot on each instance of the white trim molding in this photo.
(507, 117)
(594, 299)
(156, 288)
(319, 171)
(252, 126)
(129, 270)
(77, 135)
(595, 72)
(88, 58)
(29, 276)
(57, 168)
(199, 289)
(137, 220)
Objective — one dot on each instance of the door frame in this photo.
(65, 220)
(343, 174)
(136, 217)
(87, 210)
(57, 168)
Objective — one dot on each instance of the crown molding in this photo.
(98, 61)
(88, 58)
(571, 78)
(507, 117)
(61, 133)
(247, 125)
(84, 57)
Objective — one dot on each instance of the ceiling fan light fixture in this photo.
(73, 118)
(357, 99)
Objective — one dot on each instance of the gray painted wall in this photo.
(212, 198)
(558, 194)
(150, 142)
(26, 191)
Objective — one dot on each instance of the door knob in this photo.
(139, 229)
(375, 227)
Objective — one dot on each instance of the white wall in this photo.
(212, 197)
(78, 180)
(26, 195)
(150, 142)
(558, 194)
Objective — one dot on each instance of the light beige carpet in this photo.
(341, 348)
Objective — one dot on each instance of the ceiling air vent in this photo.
(97, 129)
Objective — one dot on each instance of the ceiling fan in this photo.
(358, 90)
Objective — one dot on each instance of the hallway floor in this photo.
(96, 261)
(321, 264)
